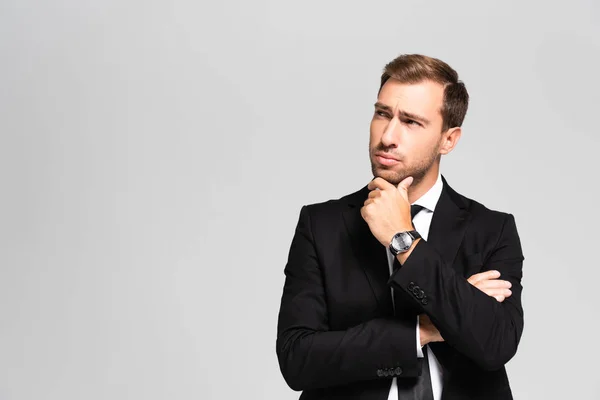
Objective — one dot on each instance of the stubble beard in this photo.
(397, 174)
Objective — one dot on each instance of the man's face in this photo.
(406, 130)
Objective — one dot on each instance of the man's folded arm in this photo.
(310, 354)
(475, 324)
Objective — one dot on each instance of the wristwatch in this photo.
(402, 241)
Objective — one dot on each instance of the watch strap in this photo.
(414, 234)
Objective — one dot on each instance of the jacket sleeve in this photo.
(475, 324)
(310, 354)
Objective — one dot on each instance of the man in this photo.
(404, 289)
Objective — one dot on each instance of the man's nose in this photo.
(391, 134)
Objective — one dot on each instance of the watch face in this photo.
(402, 242)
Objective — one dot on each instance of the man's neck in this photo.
(416, 190)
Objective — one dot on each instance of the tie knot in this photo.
(414, 210)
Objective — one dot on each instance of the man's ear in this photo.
(450, 139)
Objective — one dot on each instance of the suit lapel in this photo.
(371, 255)
(449, 223)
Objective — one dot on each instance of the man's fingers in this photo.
(493, 284)
(489, 284)
(487, 275)
(405, 183)
(497, 292)
(379, 183)
(374, 193)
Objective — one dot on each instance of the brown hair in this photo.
(416, 68)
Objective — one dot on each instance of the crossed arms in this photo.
(485, 328)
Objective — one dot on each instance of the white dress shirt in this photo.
(422, 221)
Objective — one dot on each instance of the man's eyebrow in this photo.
(383, 106)
(416, 117)
(404, 114)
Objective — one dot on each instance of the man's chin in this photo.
(391, 176)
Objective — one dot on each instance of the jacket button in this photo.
(379, 373)
(420, 294)
(411, 286)
(398, 371)
(424, 301)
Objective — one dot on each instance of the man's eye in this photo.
(412, 122)
(382, 114)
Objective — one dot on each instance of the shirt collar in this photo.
(431, 197)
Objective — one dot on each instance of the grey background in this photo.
(155, 155)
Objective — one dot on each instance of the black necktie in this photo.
(418, 388)
(414, 210)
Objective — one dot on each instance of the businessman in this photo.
(404, 289)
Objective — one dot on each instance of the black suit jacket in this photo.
(338, 336)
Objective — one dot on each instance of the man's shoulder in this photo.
(489, 225)
(482, 213)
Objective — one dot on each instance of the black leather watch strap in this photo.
(414, 234)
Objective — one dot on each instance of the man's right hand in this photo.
(487, 282)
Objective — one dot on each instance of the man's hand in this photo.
(489, 284)
(387, 210)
